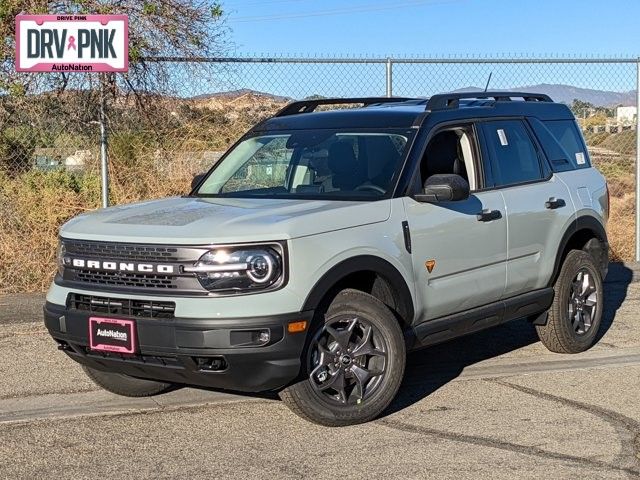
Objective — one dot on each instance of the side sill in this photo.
(456, 325)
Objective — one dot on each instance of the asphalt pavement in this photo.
(495, 404)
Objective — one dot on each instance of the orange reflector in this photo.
(296, 327)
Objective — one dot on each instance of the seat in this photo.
(344, 166)
(443, 155)
(383, 158)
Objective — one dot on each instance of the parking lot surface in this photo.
(492, 405)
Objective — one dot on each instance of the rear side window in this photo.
(514, 158)
(568, 136)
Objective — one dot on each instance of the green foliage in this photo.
(217, 11)
(16, 148)
(149, 8)
(122, 147)
(583, 109)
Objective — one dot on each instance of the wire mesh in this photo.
(178, 120)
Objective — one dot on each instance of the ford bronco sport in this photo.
(326, 244)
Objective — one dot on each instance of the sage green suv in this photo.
(324, 245)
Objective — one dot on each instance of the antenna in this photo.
(488, 80)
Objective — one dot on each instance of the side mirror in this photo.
(196, 180)
(444, 188)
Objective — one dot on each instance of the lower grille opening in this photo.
(210, 364)
(121, 306)
(160, 361)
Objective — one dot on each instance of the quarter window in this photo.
(568, 136)
(514, 158)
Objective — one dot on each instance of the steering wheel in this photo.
(371, 186)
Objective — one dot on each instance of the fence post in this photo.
(104, 166)
(389, 78)
(637, 239)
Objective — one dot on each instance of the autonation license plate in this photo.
(112, 335)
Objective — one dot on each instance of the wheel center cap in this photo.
(345, 359)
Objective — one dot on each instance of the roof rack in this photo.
(452, 100)
(307, 106)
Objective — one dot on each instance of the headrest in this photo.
(342, 158)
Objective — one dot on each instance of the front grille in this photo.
(127, 279)
(150, 279)
(121, 251)
(121, 306)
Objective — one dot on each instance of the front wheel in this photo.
(576, 313)
(354, 363)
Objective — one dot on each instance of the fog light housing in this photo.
(250, 338)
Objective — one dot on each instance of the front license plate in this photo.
(112, 335)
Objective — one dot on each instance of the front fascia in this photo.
(309, 259)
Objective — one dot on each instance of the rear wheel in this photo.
(576, 312)
(124, 384)
(354, 363)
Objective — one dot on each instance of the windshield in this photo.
(329, 164)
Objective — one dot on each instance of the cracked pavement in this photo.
(492, 405)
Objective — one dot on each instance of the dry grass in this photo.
(619, 170)
(36, 204)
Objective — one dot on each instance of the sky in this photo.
(435, 27)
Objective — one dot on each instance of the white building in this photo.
(626, 114)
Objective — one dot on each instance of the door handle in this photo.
(554, 203)
(487, 215)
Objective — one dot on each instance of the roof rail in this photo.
(307, 106)
(452, 100)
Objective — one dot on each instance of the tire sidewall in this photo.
(575, 261)
(355, 303)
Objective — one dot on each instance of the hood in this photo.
(191, 221)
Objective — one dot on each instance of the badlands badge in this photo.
(72, 43)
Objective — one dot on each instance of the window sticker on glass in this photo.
(503, 137)
(580, 158)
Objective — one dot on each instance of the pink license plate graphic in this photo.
(112, 335)
(72, 43)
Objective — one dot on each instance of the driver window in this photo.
(451, 151)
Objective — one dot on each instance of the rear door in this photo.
(538, 204)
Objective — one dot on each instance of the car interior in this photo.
(450, 151)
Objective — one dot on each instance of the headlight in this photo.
(61, 253)
(240, 269)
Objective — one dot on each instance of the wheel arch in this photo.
(370, 274)
(579, 236)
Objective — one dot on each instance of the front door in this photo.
(459, 249)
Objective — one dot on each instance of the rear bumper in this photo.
(190, 351)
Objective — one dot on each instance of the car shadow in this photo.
(429, 369)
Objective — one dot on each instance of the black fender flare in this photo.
(593, 225)
(363, 263)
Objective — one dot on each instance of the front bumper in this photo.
(191, 351)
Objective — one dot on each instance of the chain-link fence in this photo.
(163, 131)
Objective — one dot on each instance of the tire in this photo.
(370, 354)
(124, 384)
(564, 332)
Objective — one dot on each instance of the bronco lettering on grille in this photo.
(119, 266)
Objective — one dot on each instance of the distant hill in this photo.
(558, 92)
(243, 92)
(567, 93)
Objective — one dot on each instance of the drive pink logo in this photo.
(72, 43)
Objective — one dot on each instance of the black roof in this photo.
(407, 113)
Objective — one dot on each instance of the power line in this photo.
(341, 11)
(253, 3)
